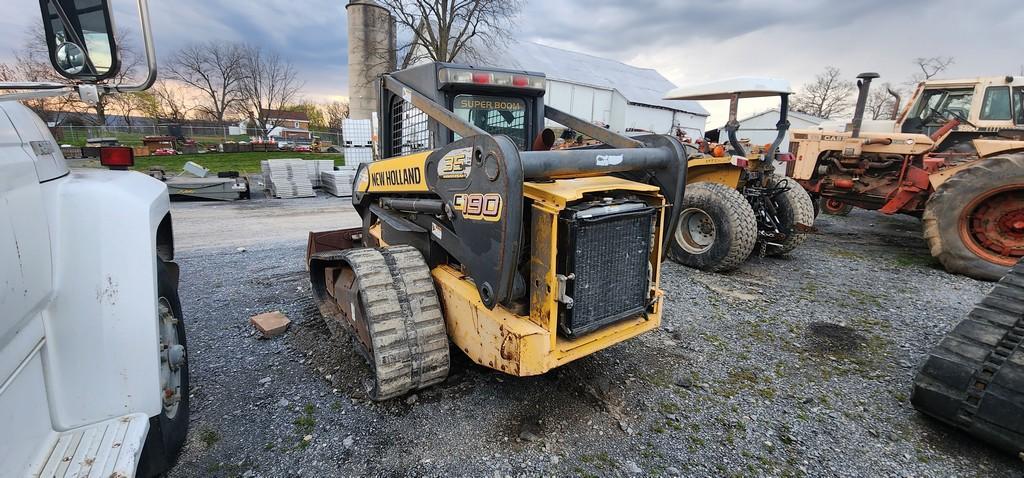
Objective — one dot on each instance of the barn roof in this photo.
(643, 86)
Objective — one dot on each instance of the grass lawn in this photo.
(217, 162)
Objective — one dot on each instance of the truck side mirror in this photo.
(80, 38)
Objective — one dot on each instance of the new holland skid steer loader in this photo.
(735, 203)
(473, 231)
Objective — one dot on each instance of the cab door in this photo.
(25, 263)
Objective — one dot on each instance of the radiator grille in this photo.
(609, 257)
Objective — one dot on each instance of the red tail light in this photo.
(117, 157)
(785, 157)
(520, 81)
(481, 78)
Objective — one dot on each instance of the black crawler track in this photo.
(974, 379)
(409, 342)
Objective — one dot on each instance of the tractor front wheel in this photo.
(834, 207)
(716, 230)
(974, 222)
(796, 215)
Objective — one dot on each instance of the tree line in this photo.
(832, 95)
(212, 81)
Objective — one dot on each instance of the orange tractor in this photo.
(955, 158)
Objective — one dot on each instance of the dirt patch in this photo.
(833, 339)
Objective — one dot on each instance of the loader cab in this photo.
(498, 101)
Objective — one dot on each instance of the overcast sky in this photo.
(687, 41)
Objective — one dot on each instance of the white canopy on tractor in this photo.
(744, 86)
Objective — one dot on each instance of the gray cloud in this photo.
(687, 41)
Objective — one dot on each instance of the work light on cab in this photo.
(490, 78)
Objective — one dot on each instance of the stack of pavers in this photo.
(287, 178)
(358, 141)
(315, 167)
(338, 182)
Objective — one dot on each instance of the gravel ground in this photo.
(797, 366)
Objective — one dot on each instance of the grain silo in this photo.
(371, 53)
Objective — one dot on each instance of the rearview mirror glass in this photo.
(80, 38)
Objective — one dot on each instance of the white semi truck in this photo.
(93, 369)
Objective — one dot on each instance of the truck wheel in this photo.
(796, 213)
(397, 319)
(834, 207)
(974, 379)
(974, 222)
(716, 229)
(167, 430)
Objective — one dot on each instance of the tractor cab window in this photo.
(1018, 105)
(495, 115)
(996, 105)
(937, 106)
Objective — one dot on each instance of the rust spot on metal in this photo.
(510, 348)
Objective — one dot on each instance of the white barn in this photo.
(626, 98)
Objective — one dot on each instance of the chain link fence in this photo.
(202, 134)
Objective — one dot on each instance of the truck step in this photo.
(107, 448)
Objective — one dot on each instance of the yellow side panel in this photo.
(402, 174)
(494, 338)
(719, 171)
(560, 192)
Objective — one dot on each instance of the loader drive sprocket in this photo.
(394, 316)
(974, 379)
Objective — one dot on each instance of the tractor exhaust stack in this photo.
(864, 87)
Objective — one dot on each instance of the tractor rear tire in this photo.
(717, 229)
(399, 308)
(834, 207)
(974, 379)
(976, 216)
(796, 214)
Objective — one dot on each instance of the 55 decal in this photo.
(457, 164)
(479, 206)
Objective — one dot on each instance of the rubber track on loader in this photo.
(974, 379)
(406, 328)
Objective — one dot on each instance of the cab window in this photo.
(996, 104)
(937, 105)
(495, 115)
(1018, 105)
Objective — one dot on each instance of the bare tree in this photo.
(334, 112)
(215, 70)
(172, 104)
(930, 67)
(127, 104)
(443, 30)
(880, 103)
(828, 95)
(32, 63)
(268, 83)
